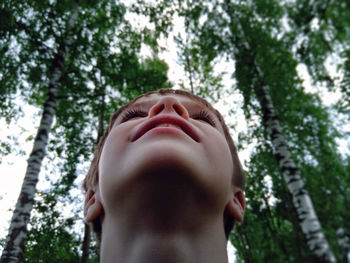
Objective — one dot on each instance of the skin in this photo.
(161, 197)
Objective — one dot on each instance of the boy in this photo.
(165, 184)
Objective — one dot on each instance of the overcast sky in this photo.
(12, 167)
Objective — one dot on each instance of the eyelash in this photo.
(204, 116)
(133, 113)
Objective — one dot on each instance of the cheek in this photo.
(220, 156)
(218, 166)
(111, 152)
(111, 160)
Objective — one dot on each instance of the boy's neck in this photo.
(163, 224)
(152, 247)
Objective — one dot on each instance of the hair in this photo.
(91, 180)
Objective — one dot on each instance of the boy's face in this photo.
(166, 135)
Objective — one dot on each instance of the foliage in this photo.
(101, 63)
(263, 54)
(50, 238)
(266, 41)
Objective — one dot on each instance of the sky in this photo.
(12, 167)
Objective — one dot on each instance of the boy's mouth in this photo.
(165, 121)
(168, 125)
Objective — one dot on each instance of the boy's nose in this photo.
(169, 105)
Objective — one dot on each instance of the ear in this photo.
(92, 206)
(236, 205)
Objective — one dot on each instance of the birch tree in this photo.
(42, 48)
(252, 34)
(15, 239)
(264, 55)
(248, 53)
(309, 223)
(72, 138)
(302, 202)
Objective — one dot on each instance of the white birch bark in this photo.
(14, 243)
(308, 221)
(307, 217)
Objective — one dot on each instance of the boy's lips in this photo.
(176, 122)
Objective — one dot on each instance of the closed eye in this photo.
(204, 116)
(132, 114)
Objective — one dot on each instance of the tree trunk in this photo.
(308, 220)
(14, 243)
(86, 244)
(100, 131)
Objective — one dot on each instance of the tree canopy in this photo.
(288, 56)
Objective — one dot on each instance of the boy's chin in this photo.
(161, 186)
(165, 157)
(165, 160)
(169, 162)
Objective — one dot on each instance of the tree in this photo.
(265, 41)
(253, 35)
(42, 48)
(50, 237)
(252, 63)
(17, 230)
